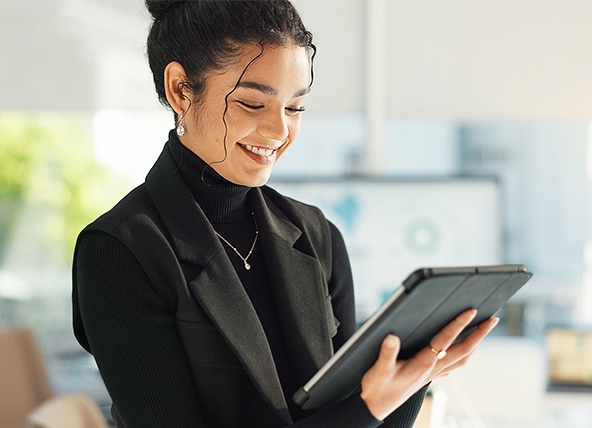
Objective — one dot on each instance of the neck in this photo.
(221, 200)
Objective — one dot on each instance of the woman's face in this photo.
(263, 116)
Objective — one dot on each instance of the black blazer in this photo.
(167, 232)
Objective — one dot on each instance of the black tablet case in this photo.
(426, 302)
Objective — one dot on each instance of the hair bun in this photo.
(159, 8)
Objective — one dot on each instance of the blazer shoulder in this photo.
(135, 222)
(136, 206)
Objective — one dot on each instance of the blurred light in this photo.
(129, 142)
(12, 287)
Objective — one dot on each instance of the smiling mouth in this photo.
(258, 150)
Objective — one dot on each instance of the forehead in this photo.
(276, 69)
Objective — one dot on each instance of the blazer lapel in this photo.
(217, 287)
(304, 305)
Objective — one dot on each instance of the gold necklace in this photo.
(244, 259)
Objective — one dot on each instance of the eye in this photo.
(250, 106)
(296, 109)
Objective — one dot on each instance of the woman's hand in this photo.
(389, 383)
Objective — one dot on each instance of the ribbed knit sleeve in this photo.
(132, 335)
(404, 416)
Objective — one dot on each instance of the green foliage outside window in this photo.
(50, 184)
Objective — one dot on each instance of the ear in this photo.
(174, 80)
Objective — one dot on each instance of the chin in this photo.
(257, 183)
(252, 180)
(260, 180)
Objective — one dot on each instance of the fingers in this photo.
(388, 353)
(470, 343)
(443, 340)
(388, 383)
(459, 353)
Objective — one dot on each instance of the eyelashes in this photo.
(296, 109)
(259, 107)
(249, 106)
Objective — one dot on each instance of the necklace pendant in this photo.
(244, 259)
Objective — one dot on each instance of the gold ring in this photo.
(439, 354)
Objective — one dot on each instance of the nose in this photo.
(275, 126)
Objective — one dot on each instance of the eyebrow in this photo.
(268, 89)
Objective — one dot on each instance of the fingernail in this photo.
(470, 314)
(495, 322)
(390, 341)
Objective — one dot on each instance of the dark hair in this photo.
(206, 35)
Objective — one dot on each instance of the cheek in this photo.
(295, 129)
(240, 125)
(210, 118)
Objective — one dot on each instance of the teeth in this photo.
(259, 151)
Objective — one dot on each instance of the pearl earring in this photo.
(180, 127)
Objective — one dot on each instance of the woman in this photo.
(206, 298)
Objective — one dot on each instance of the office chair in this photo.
(67, 411)
(24, 382)
(25, 389)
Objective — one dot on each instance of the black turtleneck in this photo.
(220, 200)
(226, 205)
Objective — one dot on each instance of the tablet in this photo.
(427, 301)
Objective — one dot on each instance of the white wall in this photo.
(459, 59)
(74, 55)
(462, 59)
(491, 59)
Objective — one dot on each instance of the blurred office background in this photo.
(439, 132)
